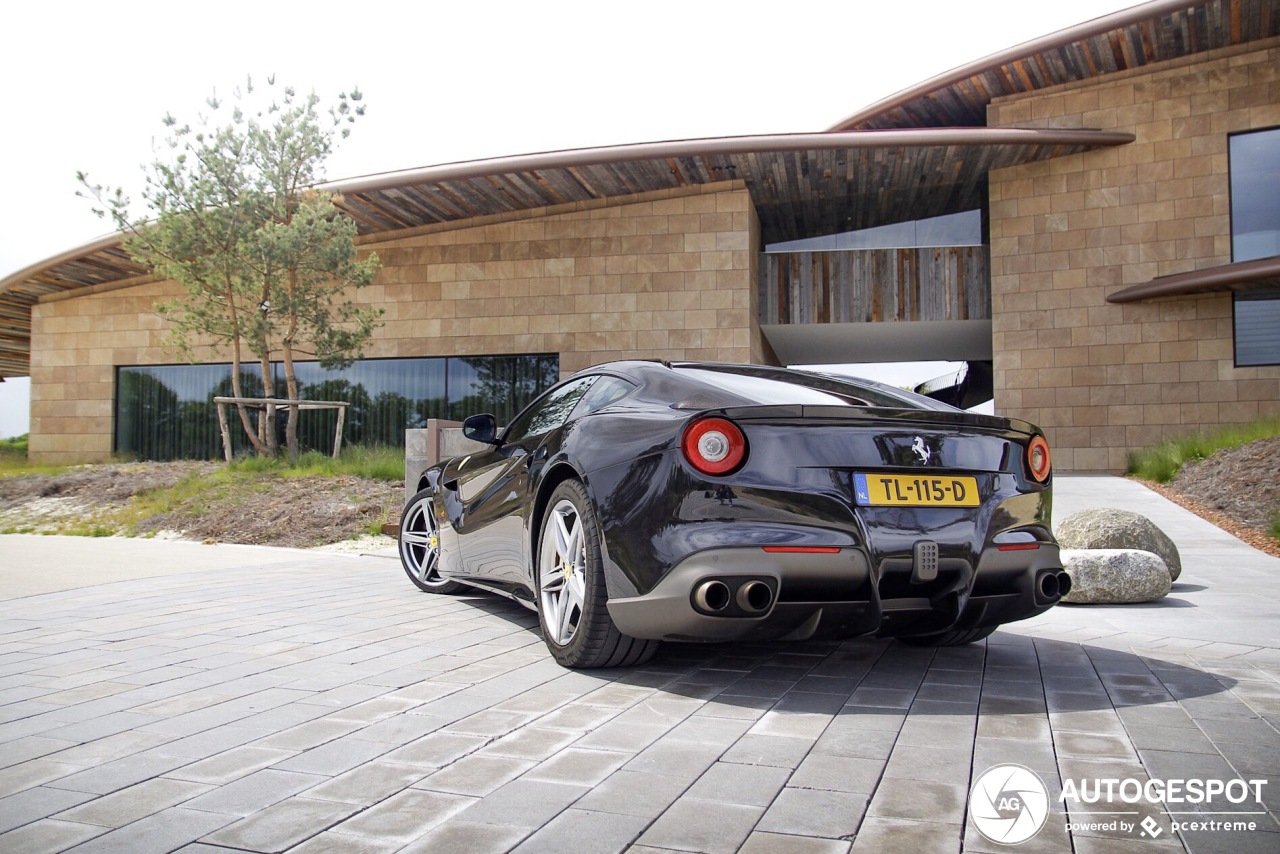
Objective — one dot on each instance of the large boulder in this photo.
(1114, 576)
(1109, 528)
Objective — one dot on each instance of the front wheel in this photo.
(953, 638)
(571, 589)
(419, 542)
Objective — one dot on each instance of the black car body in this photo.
(637, 502)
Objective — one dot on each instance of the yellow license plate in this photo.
(914, 491)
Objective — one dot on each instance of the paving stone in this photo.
(676, 758)
(436, 750)
(943, 732)
(405, 816)
(532, 743)
(577, 766)
(838, 773)
(780, 843)
(368, 783)
(749, 785)
(879, 835)
(855, 743)
(634, 793)
(334, 757)
(48, 836)
(477, 774)
(779, 751)
(933, 764)
(280, 826)
(166, 830)
(255, 792)
(813, 812)
(465, 836)
(36, 803)
(230, 765)
(920, 800)
(580, 830)
(1087, 745)
(328, 842)
(705, 826)
(134, 803)
(120, 773)
(523, 803)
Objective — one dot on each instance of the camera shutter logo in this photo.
(1008, 804)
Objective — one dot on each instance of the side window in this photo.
(549, 412)
(606, 390)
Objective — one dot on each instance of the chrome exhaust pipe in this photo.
(1064, 583)
(711, 595)
(755, 597)
(1049, 585)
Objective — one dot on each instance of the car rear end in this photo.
(801, 521)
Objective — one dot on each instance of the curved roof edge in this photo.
(1061, 38)
(573, 158)
(861, 139)
(1244, 275)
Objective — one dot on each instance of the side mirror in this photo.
(481, 428)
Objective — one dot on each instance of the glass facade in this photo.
(958, 229)
(1255, 194)
(167, 412)
(1255, 233)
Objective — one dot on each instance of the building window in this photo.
(167, 412)
(958, 229)
(1255, 194)
(1256, 320)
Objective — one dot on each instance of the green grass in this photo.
(13, 454)
(1162, 462)
(378, 462)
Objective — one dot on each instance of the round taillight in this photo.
(1038, 461)
(714, 446)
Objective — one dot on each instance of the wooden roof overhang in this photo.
(802, 185)
(1128, 39)
(1260, 274)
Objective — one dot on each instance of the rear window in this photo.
(808, 389)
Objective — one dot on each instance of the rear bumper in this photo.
(833, 595)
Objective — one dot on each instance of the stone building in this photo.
(1096, 213)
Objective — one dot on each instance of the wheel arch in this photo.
(558, 474)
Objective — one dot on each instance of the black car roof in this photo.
(673, 381)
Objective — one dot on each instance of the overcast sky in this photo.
(89, 82)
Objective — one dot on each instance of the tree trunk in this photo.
(238, 391)
(291, 386)
(267, 420)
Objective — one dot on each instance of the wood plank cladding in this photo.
(1129, 39)
(866, 285)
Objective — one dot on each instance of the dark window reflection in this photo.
(1255, 194)
(550, 412)
(167, 412)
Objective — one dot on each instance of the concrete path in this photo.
(288, 701)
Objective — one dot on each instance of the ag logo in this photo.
(1008, 804)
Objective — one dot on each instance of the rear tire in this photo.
(955, 638)
(419, 544)
(571, 593)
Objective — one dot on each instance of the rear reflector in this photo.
(1017, 547)
(803, 550)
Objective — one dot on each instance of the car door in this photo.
(493, 486)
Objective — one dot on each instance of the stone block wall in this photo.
(1104, 379)
(667, 274)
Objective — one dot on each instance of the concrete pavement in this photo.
(274, 700)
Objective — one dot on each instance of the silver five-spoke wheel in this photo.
(562, 564)
(420, 545)
(572, 594)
